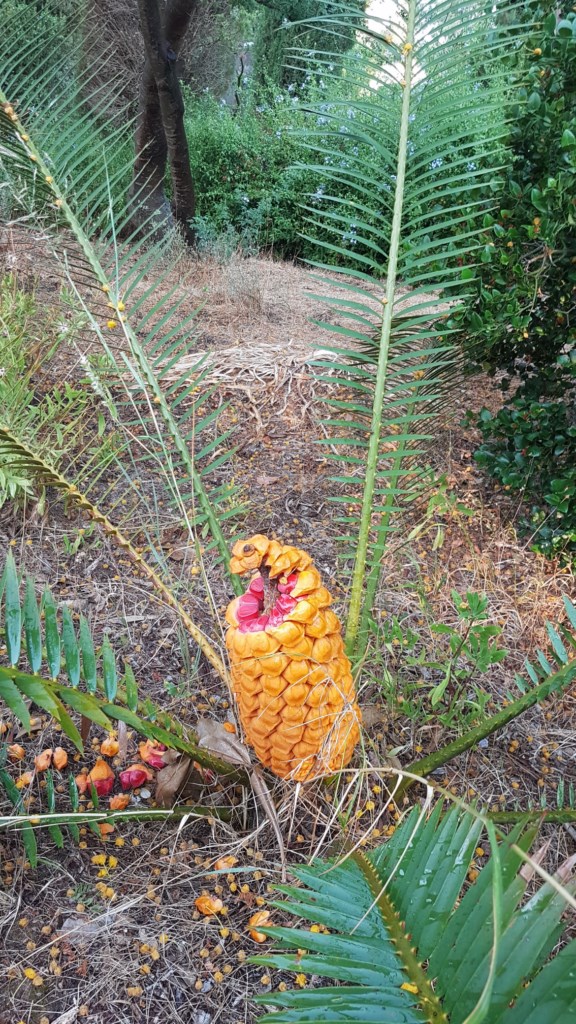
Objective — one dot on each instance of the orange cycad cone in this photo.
(291, 677)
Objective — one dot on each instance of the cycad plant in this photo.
(394, 927)
(427, 99)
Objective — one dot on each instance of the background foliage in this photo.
(526, 309)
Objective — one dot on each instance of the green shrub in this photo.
(523, 320)
(253, 174)
(530, 447)
(527, 278)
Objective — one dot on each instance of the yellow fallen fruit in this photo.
(110, 746)
(209, 906)
(59, 758)
(225, 863)
(43, 760)
(259, 918)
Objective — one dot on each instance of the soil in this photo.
(145, 953)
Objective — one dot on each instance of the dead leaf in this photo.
(247, 898)
(265, 800)
(212, 736)
(528, 870)
(68, 1017)
(85, 726)
(172, 535)
(566, 870)
(122, 741)
(373, 714)
(35, 725)
(79, 929)
(182, 552)
(172, 779)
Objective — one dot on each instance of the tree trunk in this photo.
(160, 135)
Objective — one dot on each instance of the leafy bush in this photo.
(527, 276)
(527, 285)
(254, 178)
(530, 447)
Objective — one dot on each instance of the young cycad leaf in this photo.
(12, 611)
(56, 697)
(32, 631)
(73, 793)
(51, 634)
(131, 688)
(570, 610)
(109, 672)
(418, 142)
(15, 798)
(53, 149)
(84, 704)
(70, 645)
(20, 452)
(39, 693)
(88, 655)
(12, 697)
(54, 830)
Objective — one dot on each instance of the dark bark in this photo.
(160, 136)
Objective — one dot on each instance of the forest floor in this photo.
(106, 931)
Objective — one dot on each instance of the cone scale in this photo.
(291, 678)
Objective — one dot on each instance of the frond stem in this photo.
(358, 578)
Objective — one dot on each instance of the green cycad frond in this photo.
(56, 665)
(419, 144)
(23, 460)
(409, 947)
(549, 673)
(64, 168)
